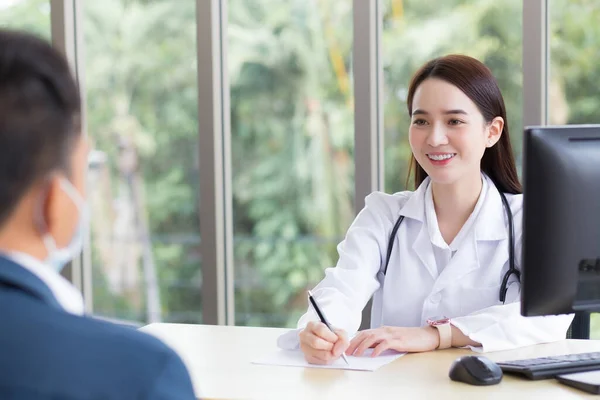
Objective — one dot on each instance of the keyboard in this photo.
(549, 367)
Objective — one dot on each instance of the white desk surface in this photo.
(219, 360)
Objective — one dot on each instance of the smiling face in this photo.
(448, 134)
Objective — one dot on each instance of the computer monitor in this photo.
(561, 220)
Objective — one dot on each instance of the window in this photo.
(574, 67)
(141, 83)
(29, 15)
(574, 40)
(415, 31)
(292, 150)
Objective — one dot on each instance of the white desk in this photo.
(219, 360)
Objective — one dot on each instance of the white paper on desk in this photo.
(295, 358)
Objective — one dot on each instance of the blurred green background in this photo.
(290, 74)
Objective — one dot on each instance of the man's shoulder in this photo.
(80, 355)
(122, 341)
(144, 360)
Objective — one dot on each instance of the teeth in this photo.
(440, 157)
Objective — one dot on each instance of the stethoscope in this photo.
(511, 250)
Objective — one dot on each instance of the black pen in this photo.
(313, 301)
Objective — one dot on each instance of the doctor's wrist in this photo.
(459, 339)
(434, 334)
(444, 331)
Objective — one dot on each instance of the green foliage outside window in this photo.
(292, 111)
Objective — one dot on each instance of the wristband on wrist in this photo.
(442, 324)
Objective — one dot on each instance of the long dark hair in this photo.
(475, 80)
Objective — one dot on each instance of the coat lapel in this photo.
(464, 261)
(424, 249)
(490, 225)
(414, 209)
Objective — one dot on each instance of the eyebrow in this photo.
(418, 111)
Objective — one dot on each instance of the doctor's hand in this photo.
(411, 340)
(320, 345)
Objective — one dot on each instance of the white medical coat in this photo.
(466, 290)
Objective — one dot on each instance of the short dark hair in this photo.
(40, 115)
(475, 80)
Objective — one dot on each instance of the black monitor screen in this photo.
(561, 220)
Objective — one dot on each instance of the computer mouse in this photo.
(475, 370)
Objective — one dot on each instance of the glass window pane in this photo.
(574, 40)
(292, 143)
(415, 31)
(574, 63)
(29, 15)
(141, 83)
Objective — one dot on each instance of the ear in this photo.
(54, 217)
(494, 131)
(41, 209)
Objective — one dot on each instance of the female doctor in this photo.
(458, 237)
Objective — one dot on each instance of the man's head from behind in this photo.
(42, 151)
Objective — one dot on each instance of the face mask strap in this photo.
(49, 242)
(70, 190)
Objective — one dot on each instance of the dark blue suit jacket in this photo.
(47, 353)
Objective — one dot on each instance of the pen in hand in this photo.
(323, 319)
